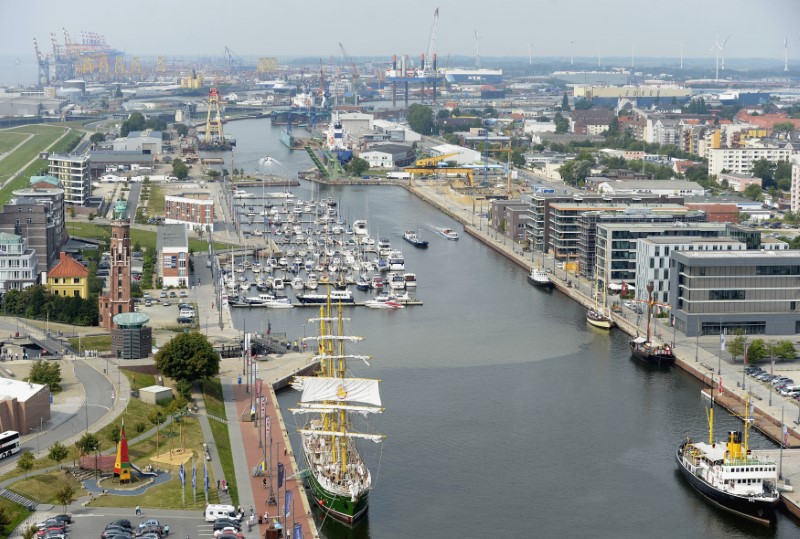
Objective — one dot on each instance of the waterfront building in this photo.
(117, 299)
(69, 278)
(540, 204)
(37, 215)
(756, 291)
(192, 210)
(572, 225)
(740, 160)
(509, 217)
(172, 248)
(24, 406)
(601, 93)
(621, 230)
(18, 264)
(652, 258)
(73, 172)
(147, 142)
(388, 155)
(464, 156)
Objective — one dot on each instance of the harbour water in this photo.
(505, 414)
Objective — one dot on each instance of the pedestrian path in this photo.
(211, 446)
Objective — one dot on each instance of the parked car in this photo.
(172, 294)
(163, 294)
(184, 294)
(185, 320)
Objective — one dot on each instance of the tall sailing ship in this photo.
(339, 478)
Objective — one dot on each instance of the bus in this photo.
(9, 443)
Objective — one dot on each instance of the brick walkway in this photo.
(281, 453)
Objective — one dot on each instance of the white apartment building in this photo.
(378, 159)
(73, 172)
(18, 265)
(652, 259)
(740, 160)
(795, 191)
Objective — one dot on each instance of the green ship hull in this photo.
(338, 507)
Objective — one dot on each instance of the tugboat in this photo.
(644, 349)
(413, 238)
(336, 473)
(540, 279)
(728, 475)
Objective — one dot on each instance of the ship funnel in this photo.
(735, 445)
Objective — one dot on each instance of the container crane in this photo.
(354, 73)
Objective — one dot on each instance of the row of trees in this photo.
(759, 350)
(38, 303)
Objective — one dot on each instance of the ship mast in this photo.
(650, 308)
(710, 414)
(342, 413)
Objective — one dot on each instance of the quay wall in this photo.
(766, 421)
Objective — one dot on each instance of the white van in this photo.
(215, 511)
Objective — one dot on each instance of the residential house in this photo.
(68, 278)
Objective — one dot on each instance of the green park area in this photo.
(215, 406)
(144, 238)
(9, 139)
(43, 137)
(11, 515)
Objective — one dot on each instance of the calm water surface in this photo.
(505, 413)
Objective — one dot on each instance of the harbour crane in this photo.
(430, 60)
(233, 60)
(354, 72)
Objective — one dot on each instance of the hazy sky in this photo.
(380, 27)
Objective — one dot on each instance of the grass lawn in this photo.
(91, 342)
(212, 393)
(145, 238)
(138, 380)
(43, 488)
(9, 139)
(15, 512)
(168, 495)
(45, 136)
(155, 204)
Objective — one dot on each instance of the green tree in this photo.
(25, 461)
(613, 128)
(96, 138)
(29, 532)
(188, 356)
(753, 192)
(758, 351)
(66, 496)
(5, 520)
(518, 158)
(139, 427)
(782, 127)
(58, 453)
(735, 345)
(357, 166)
(181, 129)
(785, 350)
(565, 103)
(88, 444)
(179, 169)
(114, 436)
(562, 124)
(420, 119)
(135, 122)
(783, 170)
(47, 373)
(443, 114)
(765, 170)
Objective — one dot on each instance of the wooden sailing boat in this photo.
(645, 349)
(599, 316)
(337, 475)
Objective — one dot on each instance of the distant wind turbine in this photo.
(572, 52)
(716, 48)
(722, 51)
(681, 54)
(786, 54)
(477, 51)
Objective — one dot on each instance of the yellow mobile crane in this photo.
(428, 166)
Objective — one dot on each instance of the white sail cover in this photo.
(316, 389)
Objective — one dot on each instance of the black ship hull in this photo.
(659, 358)
(538, 283)
(756, 510)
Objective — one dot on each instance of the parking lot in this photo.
(90, 522)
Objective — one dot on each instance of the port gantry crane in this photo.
(432, 166)
(355, 79)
